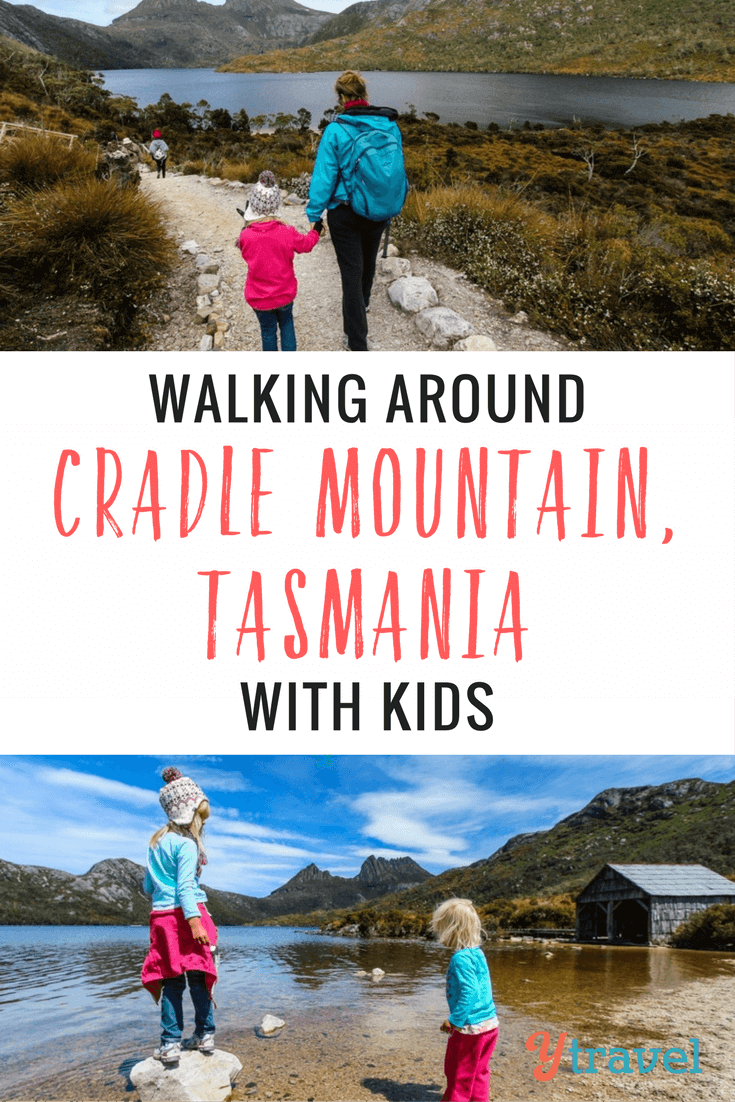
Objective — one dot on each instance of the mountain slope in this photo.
(689, 39)
(79, 44)
(196, 34)
(164, 33)
(684, 822)
(111, 892)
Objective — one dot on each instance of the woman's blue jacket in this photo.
(328, 188)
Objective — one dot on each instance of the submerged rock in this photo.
(270, 1024)
(196, 1078)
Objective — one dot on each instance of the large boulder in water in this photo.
(196, 1078)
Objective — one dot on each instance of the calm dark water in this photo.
(72, 995)
(503, 98)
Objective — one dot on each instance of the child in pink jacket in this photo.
(268, 246)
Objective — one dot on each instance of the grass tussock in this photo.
(89, 238)
(36, 161)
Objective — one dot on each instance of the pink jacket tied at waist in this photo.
(174, 951)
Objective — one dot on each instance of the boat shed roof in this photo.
(676, 880)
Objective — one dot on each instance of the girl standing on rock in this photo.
(268, 247)
(183, 935)
(472, 1024)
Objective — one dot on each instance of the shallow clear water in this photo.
(78, 990)
(503, 98)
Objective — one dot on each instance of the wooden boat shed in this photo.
(644, 904)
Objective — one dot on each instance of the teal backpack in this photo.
(376, 177)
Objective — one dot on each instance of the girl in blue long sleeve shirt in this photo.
(472, 1024)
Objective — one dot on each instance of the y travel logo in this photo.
(617, 1061)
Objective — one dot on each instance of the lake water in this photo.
(71, 1001)
(503, 98)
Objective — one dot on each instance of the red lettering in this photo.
(513, 592)
(465, 483)
(420, 512)
(428, 599)
(555, 472)
(103, 506)
(184, 527)
(513, 488)
(214, 577)
(472, 632)
(288, 640)
(255, 594)
(625, 478)
(256, 494)
(394, 628)
(333, 603)
(377, 496)
(594, 454)
(339, 507)
(155, 508)
(226, 490)
(65, 455)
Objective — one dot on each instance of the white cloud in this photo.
(100, 787)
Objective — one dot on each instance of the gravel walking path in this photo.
(198, 209)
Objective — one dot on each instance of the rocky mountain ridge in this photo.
(688, 821)
(159, 34)
(111, 892)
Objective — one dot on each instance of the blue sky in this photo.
(102, 12)
(272, 815)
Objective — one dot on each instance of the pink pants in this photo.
(467, 1066)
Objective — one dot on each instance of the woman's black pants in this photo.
(356, 242)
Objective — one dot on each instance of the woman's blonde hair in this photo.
(193, 830)
(350, 86)
(457, 925)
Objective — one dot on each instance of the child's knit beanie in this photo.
(265, 198)
(180, 797)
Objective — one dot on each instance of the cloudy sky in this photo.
(273, 815)
(102, 12)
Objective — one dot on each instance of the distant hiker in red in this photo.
(183, 935)
(268, 247)
(159, 152)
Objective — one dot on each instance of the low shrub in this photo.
(92, 238)
(710, 929)
(595, 277)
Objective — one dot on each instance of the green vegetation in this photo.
(710, 929)
(615, 239)
(635, 38)
(699, 828)
(557, 912)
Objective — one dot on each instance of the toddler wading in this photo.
(182, 933)
(268, 247)
(472, 1024)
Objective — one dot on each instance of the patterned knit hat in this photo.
(265, 198)
(180, 798)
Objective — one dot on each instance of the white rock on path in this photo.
(205, 264)
(190, 247)
(442, 326)
(196, 1078)
(208, 283)
(412, 294)
(394, 267)
(478, 342)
